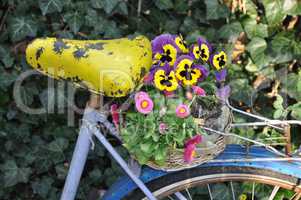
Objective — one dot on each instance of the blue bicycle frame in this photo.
(89, 128)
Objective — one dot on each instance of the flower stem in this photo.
(193, 99)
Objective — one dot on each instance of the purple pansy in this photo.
(164, 78)
(221, 75)
(164, 49)
(189, 73)
(223, 93)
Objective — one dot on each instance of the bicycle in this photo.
(239, 170)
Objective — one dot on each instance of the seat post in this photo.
(80, 153)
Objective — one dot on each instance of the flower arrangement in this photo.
(162, 121)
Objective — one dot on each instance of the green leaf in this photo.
(278, 113)
(181, 6)
(74, 20)
(146, 147)
(251, 9)
(111, 30)
(215, 10)
(274, 11)
(292, 7)
(122, 8)
(296, 111)
(281, 43)
(230, 30)
(251, 67)
(59, 145)
(291, 85)
(10, 170)
(161, 153)
(278, 102)
(42, 187)
(241, 91)
(296, 48)
(6, 79)
(96, 3)
(171, 26)
(51, 6)
(109, 5)
(255, 30)
(92, 18)
(6, 57)
(20, 27)
(96, 175)
(13, 174)
(257, 48)
(164, 4)
(188, 24)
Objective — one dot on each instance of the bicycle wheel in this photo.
(238, 183)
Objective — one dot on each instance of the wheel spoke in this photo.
(210, 194)
(297, 196)
(170, 197)
(180, 196)
(232, 190)
(187, 190)
(274, 192)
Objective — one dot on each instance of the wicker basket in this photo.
(175, 161)
(218, 119)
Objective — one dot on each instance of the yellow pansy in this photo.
(181, 43)
(219, 60)
(204, 52)
(185, 72)
(165, 80)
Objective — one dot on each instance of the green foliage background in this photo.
(36, 149)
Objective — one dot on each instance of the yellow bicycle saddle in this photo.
(109, 67)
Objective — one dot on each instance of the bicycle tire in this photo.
(170, 183)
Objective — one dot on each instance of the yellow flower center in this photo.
(182, 110)
(243, 197)
(193, 154)
(144, 104)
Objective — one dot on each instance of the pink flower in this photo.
(198, 91)
(189, 153)
(194, 140)
(190, 146)
(144, 105)
(140, 95)
(182, 111)
(162, 127)
(115, 114)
